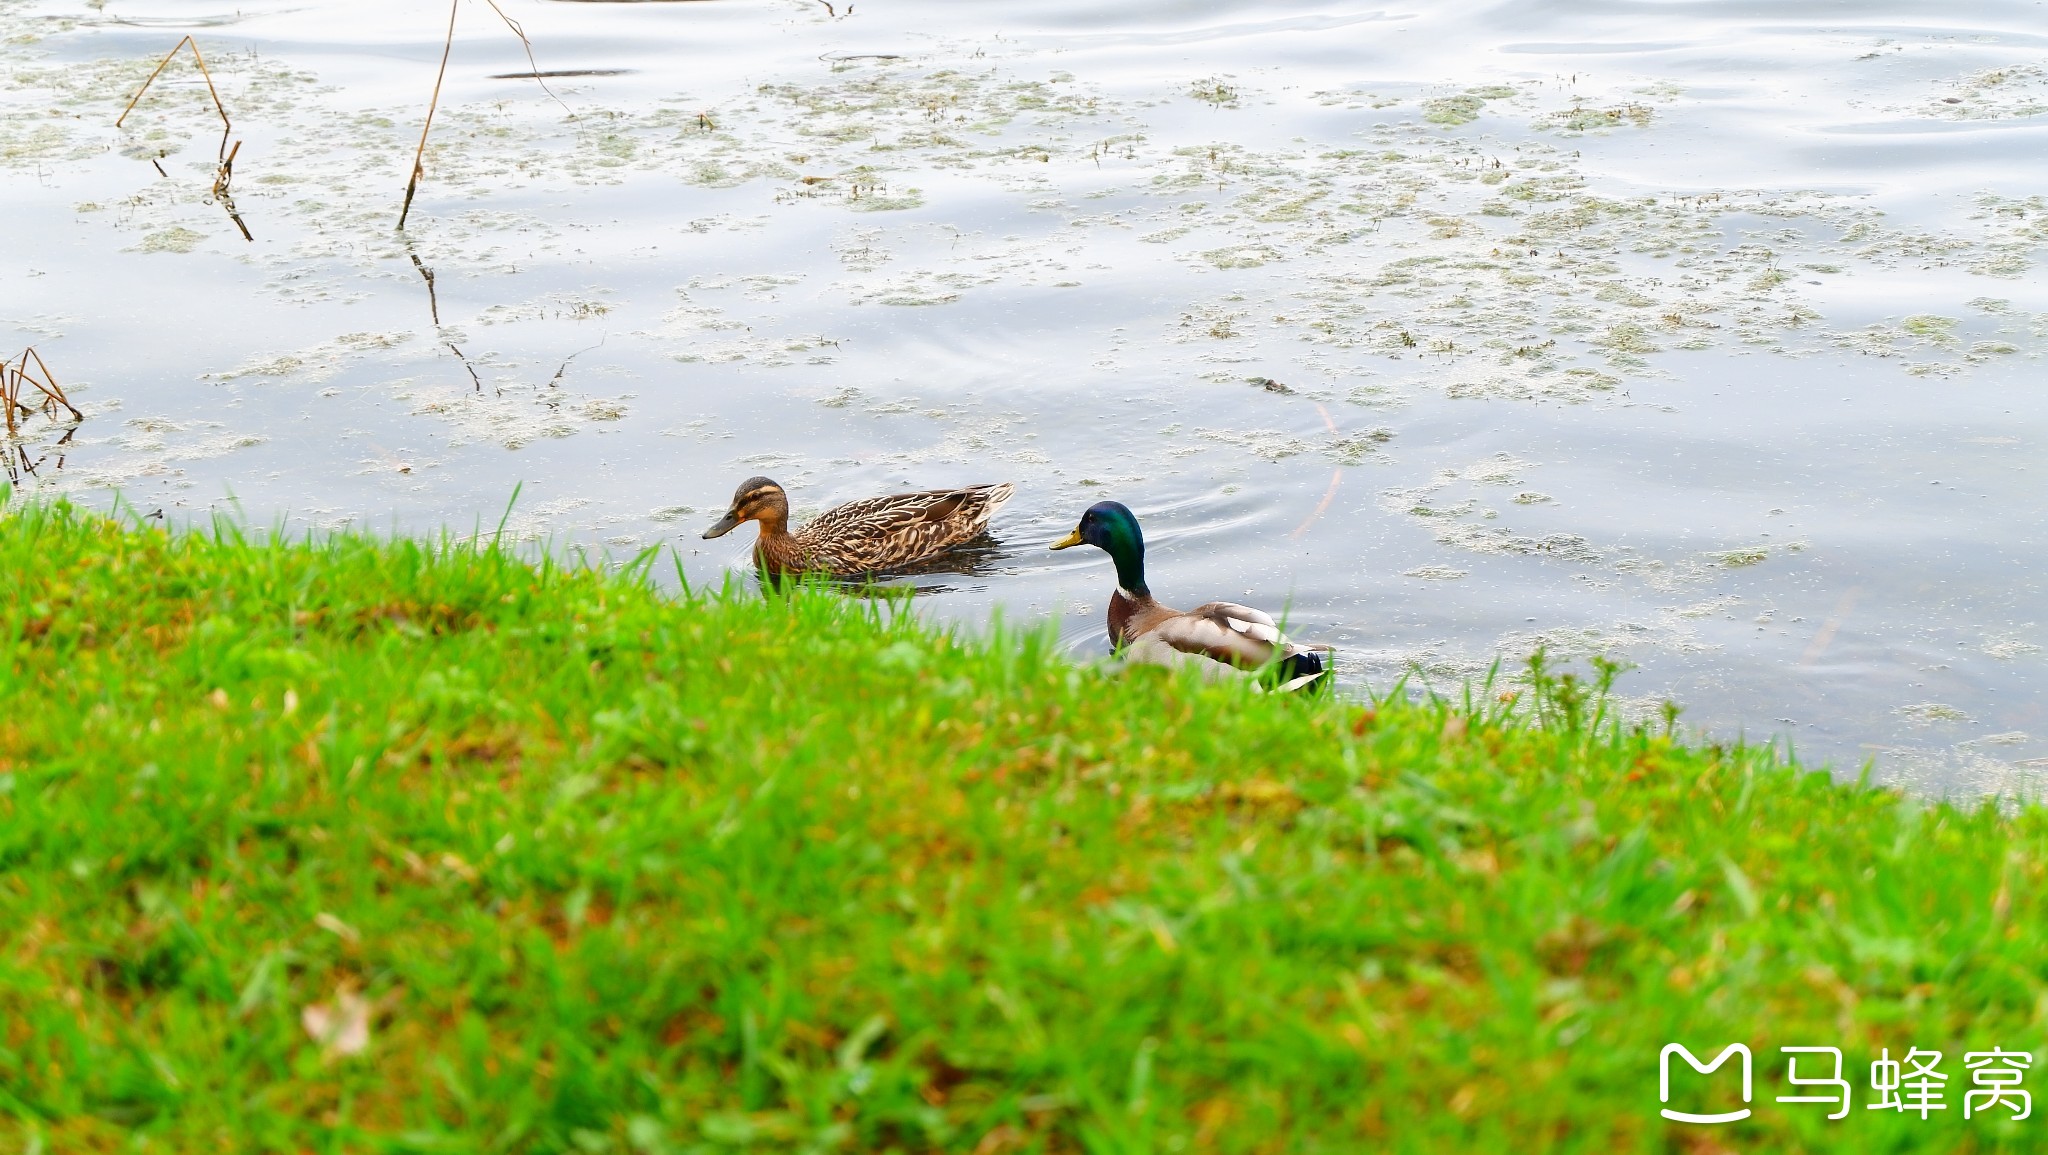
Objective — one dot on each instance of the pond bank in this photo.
(408, 846)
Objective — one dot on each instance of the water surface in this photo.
(1705, 335)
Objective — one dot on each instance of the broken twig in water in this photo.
(18, 464)
(225, 123)
(464, 358)
(225, 156)
(221, 180)
(427, 275)
(539, 77)
(15, 374)
(557, 378)
(226, 172)
(419, 154)
(434, 309)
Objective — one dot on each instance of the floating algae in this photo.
(1452, 110)
(315, 364)
(1580, 118)
(1464, 107)
(1932, 713)
(1419, 242)
(1992, 94)
(1454, 506)
(2009, 649)
(1739, 558)
(175, 239)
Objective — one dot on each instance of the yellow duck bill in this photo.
(1072, 539)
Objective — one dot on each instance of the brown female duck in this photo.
(876, 533)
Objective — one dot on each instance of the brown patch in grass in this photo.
(1259, 795)
(438, 618)
(941, 1078)
(496, 745)
(1567, 950)
(695, 1023)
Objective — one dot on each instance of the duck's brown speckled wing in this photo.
(1223, 631)
(880, 533)
(1234, 635)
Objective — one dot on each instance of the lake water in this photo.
(1706, 335)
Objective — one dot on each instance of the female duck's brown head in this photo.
(757, 499)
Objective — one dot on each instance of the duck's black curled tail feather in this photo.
(1300, 665)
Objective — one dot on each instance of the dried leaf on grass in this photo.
(342, 1028)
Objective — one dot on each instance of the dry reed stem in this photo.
(226, 155)
(434, 307)
(16, 373)
(19, 465)
(426, 274)
(528, 45)
(226, 172)
(448, 45)
(419, 154)
(12, 378)
(221, 180)
(201, 61)
(10, 392)
(464, 358)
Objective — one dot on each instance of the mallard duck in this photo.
(1225, 632)
(876, 533)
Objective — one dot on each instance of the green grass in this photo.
(620, 871)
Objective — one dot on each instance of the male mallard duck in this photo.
(1224, 632)
(876, 533)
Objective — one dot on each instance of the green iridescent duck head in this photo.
(1111, 527)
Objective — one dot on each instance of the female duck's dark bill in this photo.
(1072, 539)
(725, 525)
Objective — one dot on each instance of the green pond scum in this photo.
(355, 844)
